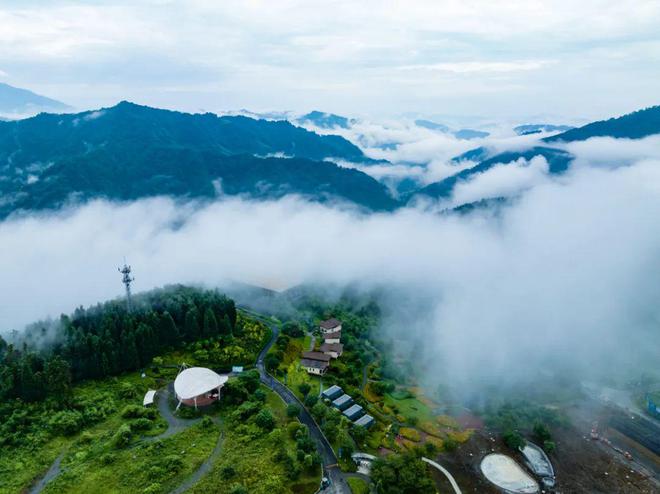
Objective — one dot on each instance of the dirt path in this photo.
(203, 469)
(174, 424)
(52, 472)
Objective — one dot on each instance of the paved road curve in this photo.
(442, 469)
(328, 457)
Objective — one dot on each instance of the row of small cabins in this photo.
(318, 363)
(346, 405)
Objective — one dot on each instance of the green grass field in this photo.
(358, 486)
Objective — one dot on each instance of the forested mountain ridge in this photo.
(635, 125)
(129, 151)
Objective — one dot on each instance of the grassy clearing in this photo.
(358, 486)
(296, 375)
(105, 399)
(249, 459)
(94, 464)
(407, 405)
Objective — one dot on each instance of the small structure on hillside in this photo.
(198, 386)
(330, 326)
(334, 337)
(315, 362)
(332, 393)
(539, 463)
(316, 367)
(354, 412)
(149, 398)
(343, 402)
(365, 421)
(334, 350)
(320, 356)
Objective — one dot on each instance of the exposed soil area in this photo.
(581, 465)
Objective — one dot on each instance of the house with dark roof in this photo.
(316, 367)
(343, 402)
(320, 356)
(334, 337)
(354, 412)
(332, 393)
(334, 350)
(330, 326)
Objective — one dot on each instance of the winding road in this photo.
(446, 473)
(331, 470)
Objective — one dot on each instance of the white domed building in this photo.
(198, 386)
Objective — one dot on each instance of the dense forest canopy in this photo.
(107, 339)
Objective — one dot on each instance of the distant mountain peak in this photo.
(20, 102)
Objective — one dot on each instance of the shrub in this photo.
(154, 488)
(311, 400)
(304, 388)
(265, 420)
(293, 428)
(141, 424)
(107, 458)
(238, 489)
(228, 472)
(292, 410)
(206, 422)
(513, 439)
(541, 432)
(292, 329)
(66, 422)
(173, 463)
(127, 390)
(122, 437)
(132, 412)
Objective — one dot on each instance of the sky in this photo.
(559, 61)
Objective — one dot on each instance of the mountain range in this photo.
(21, 102)
(130, 151)
(635, 125)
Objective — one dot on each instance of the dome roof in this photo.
(196, 381)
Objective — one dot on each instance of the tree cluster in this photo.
(108, 339)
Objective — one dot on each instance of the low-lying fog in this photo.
(570, 271)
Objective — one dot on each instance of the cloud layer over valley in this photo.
(569, 270)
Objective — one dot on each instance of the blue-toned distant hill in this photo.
(130, 151)
(459, 134)
(470, 134)
(428, 124)
(527, 129)
(635, 125)
(17, 101)
(324, 120)
(558, 161)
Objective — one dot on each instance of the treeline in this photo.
(107, 339)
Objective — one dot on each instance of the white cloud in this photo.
(571, 268)
(503, 180)
(471, 67)
(339, 56)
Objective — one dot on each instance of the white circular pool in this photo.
(506, 474)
